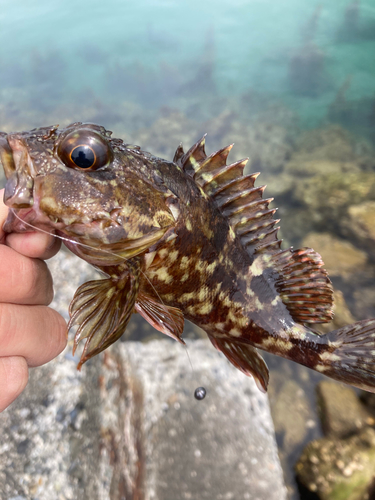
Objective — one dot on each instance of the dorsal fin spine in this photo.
(268, 247)
(179, 153)
(224, 171)
(193, 158)
(236, 210)
(243, 194)
(215, 160)
(259, 215)
(258, 237)
(243, 228)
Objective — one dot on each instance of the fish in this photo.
(189, 239)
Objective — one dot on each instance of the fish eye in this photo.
(85, 150)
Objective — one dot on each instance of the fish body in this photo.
(191, 238)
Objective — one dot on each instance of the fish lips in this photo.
(19, 171)
(19, 187)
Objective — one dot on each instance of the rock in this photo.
(341, 412)
(277, 185)
(364, 305)
(128, 426)
(339, 470)
(308, 167)
(340, 257)
(332, 143)
(360, 226)
(206, 445)
(368, 398)
(296, 221)
(363, 218)
(328, 196)
(267, 145)
(291, 411)
(342, 316)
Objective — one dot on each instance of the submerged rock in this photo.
(332, 399)
(340, 466)
(329, 196)
(166, 133)
(361, 225)
(309, 167)
(340, 257)
(364, 304)
(291, 413)
(339, 470)
(333, 144)
(342, 316)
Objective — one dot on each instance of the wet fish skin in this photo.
(188, 239)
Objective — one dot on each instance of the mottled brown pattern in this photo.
(192, 238)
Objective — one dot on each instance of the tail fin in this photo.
(350, 357)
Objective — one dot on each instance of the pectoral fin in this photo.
(102, 310)
(168, 320)
(246, 358)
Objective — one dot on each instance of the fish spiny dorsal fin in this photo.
(234, 194)
(303, 285)
(191, 160)
(178, 154)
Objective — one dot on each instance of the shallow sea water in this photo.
(290, 82)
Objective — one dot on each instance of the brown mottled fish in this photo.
(192, 238)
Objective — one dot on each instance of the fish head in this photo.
(85, 185)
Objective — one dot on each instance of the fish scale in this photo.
(189, 239)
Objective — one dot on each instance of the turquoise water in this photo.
(160, 53)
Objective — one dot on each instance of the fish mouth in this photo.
(19, 172)
(19, 187)
(19, 221)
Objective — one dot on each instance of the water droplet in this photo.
(200, 393)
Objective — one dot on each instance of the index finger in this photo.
(33, 244)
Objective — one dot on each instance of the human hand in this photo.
(31, 333)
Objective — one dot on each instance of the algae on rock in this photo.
(339, 470)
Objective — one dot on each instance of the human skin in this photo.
(31, 334)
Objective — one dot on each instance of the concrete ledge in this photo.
(129, 427)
